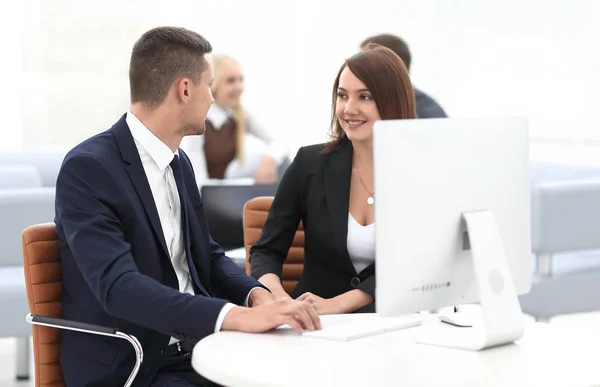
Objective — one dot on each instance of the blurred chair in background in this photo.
(23, 201)
(224, 205)
(47, 162)
(565, 221)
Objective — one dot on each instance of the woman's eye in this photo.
(341, 96)
(367, 97)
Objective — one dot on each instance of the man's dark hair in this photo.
(160, 57)
(392, 42)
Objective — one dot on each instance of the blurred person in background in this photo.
(234, 144)
(427, 107)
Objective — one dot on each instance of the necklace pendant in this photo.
(370, 200)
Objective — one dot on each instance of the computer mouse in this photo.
(456, 319)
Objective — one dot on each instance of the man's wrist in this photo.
(223, 315)
(231, 321)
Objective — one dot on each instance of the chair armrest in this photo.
(60, 323)
(70, 325)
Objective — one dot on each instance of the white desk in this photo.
(545, 356)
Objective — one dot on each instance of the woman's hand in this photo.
(267, 171)
(323, 305)
(344, 303)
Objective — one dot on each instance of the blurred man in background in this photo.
(427, 107)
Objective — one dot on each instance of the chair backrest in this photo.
(19, 176)
(255, 215)
(43, 281)
(46, 161)
(542, 172)
(20, 208)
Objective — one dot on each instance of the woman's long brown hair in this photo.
(386, 77)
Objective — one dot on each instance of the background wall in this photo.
(64, 71)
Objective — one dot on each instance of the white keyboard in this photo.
(346, 331)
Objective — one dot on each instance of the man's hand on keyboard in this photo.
(300, 315)
(323, 305)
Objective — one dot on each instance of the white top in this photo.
(361, 243)
(156, 157)
(547, 355)
(258, 142)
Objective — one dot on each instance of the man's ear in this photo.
(183, 87)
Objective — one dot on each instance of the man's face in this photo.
(200, 100)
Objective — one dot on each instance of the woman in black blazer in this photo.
(330, 188)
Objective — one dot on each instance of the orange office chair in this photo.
(255, 215)
(41, 262)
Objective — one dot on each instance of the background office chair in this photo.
(43, 281)
(23, 201)
(224, 204)
(255, 215)
(565, 218)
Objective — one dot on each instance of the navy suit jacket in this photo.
(116, 269)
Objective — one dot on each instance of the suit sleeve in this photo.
(368, 286)
(87, 204)
(427, 107)
(228, 280)
(268, 254)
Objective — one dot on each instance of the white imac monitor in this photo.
(452, 206)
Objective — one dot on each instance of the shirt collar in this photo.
(218, 116)
(158, 150)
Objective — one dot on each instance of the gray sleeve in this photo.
(277, 148)
(254, 127)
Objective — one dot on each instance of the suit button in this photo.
(355, 281)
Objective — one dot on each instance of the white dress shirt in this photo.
(360, 243)
(156, 157)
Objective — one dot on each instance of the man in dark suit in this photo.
(135, 248)
(427, 107)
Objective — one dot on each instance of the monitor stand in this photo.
(501, 319)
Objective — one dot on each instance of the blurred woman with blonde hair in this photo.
(233, 144)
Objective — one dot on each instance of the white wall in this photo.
(535, 58)
(11, 27)
(290, 51)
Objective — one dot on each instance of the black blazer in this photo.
(316, 190)
(116, 269)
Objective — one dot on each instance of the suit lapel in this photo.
(337, 175)
(136, 173)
